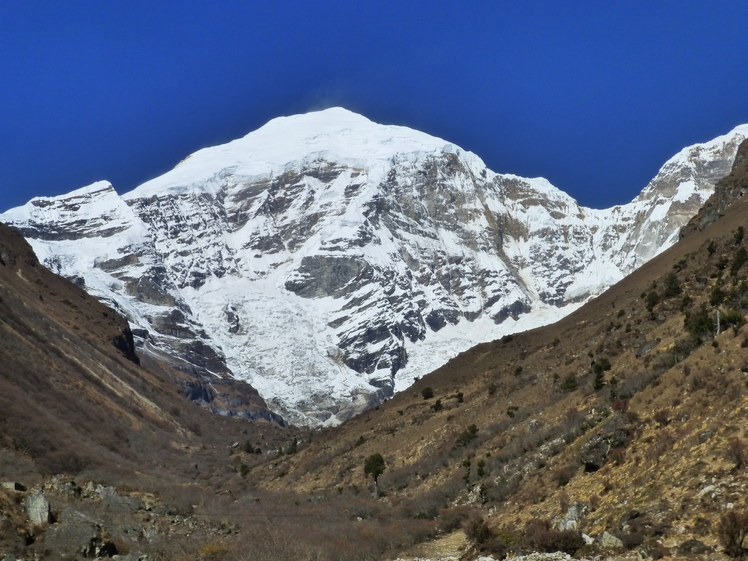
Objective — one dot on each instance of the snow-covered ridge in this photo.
(329, 260)
(332, 135)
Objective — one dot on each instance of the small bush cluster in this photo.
(483, 538)
(540, 536)
(569, 384)
(736, 452)
(699, 322)
(467, 436)
(732, 530)
(563, 475)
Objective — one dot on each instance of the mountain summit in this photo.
(329, 260)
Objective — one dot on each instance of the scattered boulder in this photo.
(570, 520)
(651, 550)
(705, 435)
(645, 348)
(37, 508)
(693, 547)
(623, 523)
(609, 541)
(614, 433)
(61, 486)
(77, 534)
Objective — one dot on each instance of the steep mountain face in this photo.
(329, 260)
(728, 190)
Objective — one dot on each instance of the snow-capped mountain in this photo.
(329, 260)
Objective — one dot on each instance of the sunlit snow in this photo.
(325, 241)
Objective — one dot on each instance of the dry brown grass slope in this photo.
(635, 407)
(73, 397)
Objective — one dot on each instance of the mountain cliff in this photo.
(329, 260)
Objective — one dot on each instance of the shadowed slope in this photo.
(72, 393)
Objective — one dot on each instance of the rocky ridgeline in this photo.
(329, 260)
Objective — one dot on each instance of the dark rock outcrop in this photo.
(728, 190)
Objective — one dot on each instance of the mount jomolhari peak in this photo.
(303, 276)
(329, 261)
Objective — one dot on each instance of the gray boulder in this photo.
(77, 534)
(609, 541)
(37, 508)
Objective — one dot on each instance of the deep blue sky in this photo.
(592, 95)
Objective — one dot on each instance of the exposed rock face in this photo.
(728, 190)
(329, 260)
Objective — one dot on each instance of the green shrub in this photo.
(699, 322)
(741, 257)
(467, 436)
(734, 318)
(601, 365)
(569, 384)
(599, 382)
(427, 392)
(477, 530)
(672, 286)
(651, 300)
(717, 295)
(374, 466)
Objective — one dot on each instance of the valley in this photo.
(616, 432)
